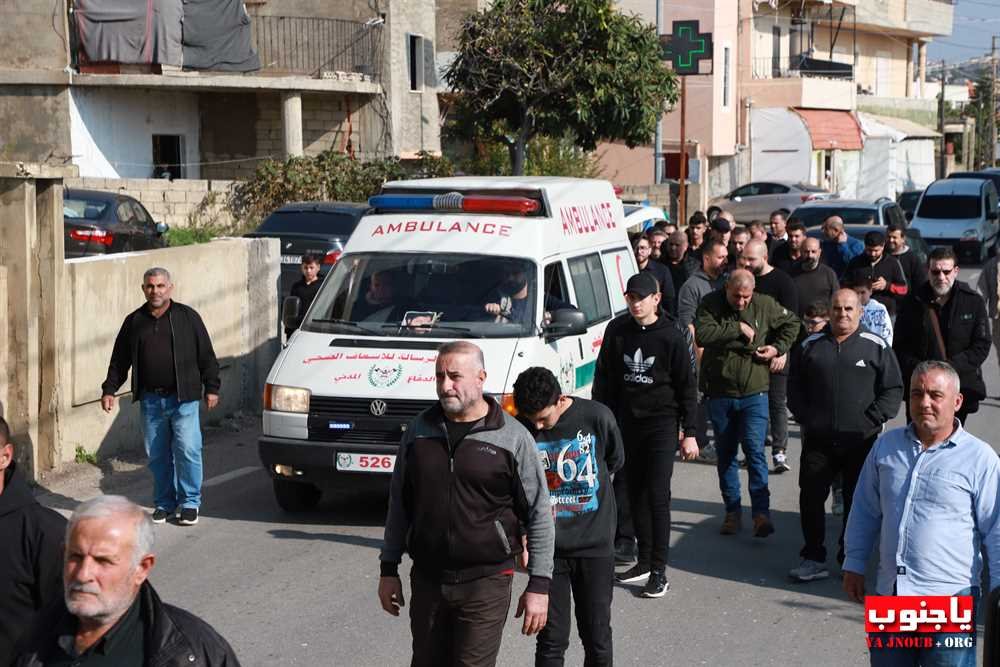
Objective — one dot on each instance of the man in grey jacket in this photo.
(711, 276)
(467, 478)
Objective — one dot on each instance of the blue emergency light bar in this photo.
(455, 201)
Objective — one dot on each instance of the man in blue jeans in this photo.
(741, 332)
(168, 349)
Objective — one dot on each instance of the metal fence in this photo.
(799, 66)
(311, 46)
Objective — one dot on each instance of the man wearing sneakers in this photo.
(580, 448)
(741, 333)
(778, 285)
(168, 349)
(644, 375)
(844, 385)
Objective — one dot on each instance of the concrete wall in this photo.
(415, 114)
(180, 203)
(233, 285)
(34, 123)
(33, 35)
(4, 342)
(626, 166)
(112, 130)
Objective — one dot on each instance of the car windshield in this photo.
(908, 200)
(448, 295)
(84, 209)
(949, 207)
(318, 223)
(813, 216)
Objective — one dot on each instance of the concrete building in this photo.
(347, 75)
(780, 101)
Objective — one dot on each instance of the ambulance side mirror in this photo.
(291, 308)
(565, 322)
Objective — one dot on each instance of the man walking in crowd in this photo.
(681, 263)
(757, 231)
(814, 280)
(786, 256)
(467, 478)
(644, 376)
(167, 347)
(914, 269)
(656, 238)
(658, 271)
(779, 230)
(946, 320)
(927, 496)
(305, 288)
(815, 317)
(737, 242)
(989, 289)
(581, 447)
(776, 284)
(889, 286)
(696, 229)
(707, 279)
(741, 332)
(722, 227)
(845, 384)
(111, 615)
(839, 247)
(30, 551)
(874, 316)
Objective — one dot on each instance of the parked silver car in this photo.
(756, 201)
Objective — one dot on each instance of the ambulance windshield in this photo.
(443, 295)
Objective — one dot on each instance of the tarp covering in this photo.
(898, 156)
(217, 36)
(197, 34)
(832, 129)
(780, 145)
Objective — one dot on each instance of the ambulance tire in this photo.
(296, 496)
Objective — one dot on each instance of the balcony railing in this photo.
(317, 46)
(801, 66)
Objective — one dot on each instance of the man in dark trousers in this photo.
(168, 349)
(581, 448)
(776, 284)
(889, 285)
(30, 551)
(741, 332)
(644, 375)
(305, 288)
(844, 385)
(945, 320)
(467, 484)
(109, 613)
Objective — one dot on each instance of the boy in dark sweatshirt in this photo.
(580, 448)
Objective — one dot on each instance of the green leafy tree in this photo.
(980, 107)
(556, 67)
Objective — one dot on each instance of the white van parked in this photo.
(530, 269)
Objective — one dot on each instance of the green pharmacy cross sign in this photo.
(685, 48)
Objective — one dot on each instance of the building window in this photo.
(725, 77)
(415, 57)
(167, 152)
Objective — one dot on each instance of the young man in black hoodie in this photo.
(645, 376)
(581, 447)
(31, 551)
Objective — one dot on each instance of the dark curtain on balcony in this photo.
(198, 34)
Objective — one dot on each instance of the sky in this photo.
(975, 22)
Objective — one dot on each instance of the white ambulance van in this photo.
(529, 269)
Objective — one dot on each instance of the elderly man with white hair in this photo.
(110, 614)
(928, 497)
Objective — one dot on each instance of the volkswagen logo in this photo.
(378, 407)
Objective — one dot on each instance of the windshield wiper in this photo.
(354, 325)
(430, 327)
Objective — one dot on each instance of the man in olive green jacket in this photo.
(745, 335)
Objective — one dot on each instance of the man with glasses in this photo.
(646, 262)
(945, 320)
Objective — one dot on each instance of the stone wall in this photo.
(33, 35)
(180, 203)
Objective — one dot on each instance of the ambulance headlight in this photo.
(278, 398)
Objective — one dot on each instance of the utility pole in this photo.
(942, 158)
(682, 194)
(658, 139)
(992, 155)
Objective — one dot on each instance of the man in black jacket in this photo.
(945, 320)
(166, 345)
(844, 385)
(30, 551)
(644, 375)
(645, 262)
(109, 613)
(889, 284)
(581, 447)
(467, 485)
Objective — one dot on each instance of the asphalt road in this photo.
(300, 590)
